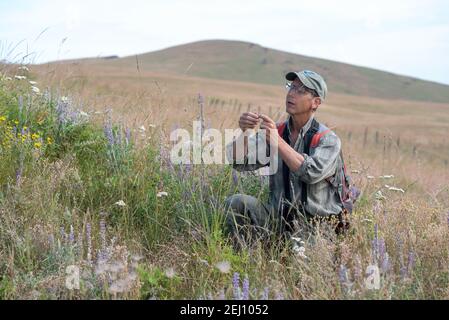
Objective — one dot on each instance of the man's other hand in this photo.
(248, 120)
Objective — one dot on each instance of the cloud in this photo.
(407, 37)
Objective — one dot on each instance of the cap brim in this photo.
(291, 76)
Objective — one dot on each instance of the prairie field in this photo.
(86, 182)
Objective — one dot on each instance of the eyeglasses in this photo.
(302, 89)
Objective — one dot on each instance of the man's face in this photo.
(303, 103)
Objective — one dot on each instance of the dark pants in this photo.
(248, 219)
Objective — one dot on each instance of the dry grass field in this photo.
(60, 198)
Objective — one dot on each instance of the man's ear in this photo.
(316, 103)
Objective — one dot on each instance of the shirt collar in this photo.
(304, 129)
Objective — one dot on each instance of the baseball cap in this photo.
(311, 80)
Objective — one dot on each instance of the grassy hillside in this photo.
(241, 61)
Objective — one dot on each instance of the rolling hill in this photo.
(248, 62)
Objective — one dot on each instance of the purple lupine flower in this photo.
(385, 263)
(403, 268)
(236, 286)
(354, 193)
(382, 250)
(128, 136)
(71, 236)
(62, 111)
(221, 295)
(89, 243)
(245, 289)
(265, 294)
(63, 234)
(51, 240)
(343, 275)
(109, 133)
(383, 256)
(235, 178)
(73, 116)
(79, 244)
(411, 262)
(375, 244)
(279, 296)
(119, 136)
(103, 239)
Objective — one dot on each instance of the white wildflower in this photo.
(355, 171)
(120, 203)
(142, 128)
(387, 176)
(170, 273)
(35, 89)
(20, 77)
(24, 68)
(162, 194)
(298, 247)
(152, 126)
(300, 251)
(297, 240)
(380, 196)
(223, 266)
(32, 82)
(64, 99)
(8, 78)
(370, 177)
(394, 188)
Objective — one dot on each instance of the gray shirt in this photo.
(316, 171)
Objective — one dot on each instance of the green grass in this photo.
(62, 210)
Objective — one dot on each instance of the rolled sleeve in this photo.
(322, 163)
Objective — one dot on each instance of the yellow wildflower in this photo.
(16, 121)
(2, 118)
(37, 145)
(35, 136)
(49, 140)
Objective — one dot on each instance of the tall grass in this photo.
(78, 189)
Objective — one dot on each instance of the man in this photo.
(305, 186)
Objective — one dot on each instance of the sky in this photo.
(405, 37)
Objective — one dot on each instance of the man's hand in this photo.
(248, 120)
(268, 124)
